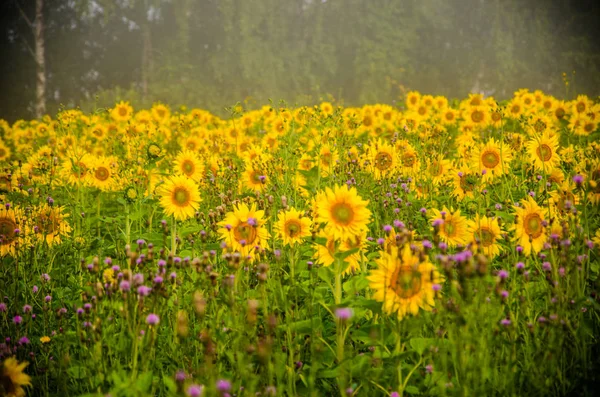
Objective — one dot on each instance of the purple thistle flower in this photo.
(344, 313)
(152, 319)
(195, 390)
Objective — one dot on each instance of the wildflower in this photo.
(152, 319)
(45, 339)
(195, 390)
(343, 313)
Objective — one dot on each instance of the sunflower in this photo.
(382, 160)
(243, 230)
(562, 199)
(413, 99)
(11, 225)
(160, 113)
(325, 254)
(438, 170)
(103, 173)
(476, 116)
(75, 170)
(529, 226)
(453, 229)
(464, 182)
(179, 196)
(404, 282)
(581, 105)
(12, 378)
(515, 108)
(493, 157)
(410, 164)
(543, 152)
(343, 211)
(188, 164)
(328, 159)
(559, 111)
(5, 152)
(50, 225)
(253, 179)
(292, 227)
(122, 111)
(484, 233)
(593, 181)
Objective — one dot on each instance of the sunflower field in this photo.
(436, 247)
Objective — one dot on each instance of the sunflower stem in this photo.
(173, 235)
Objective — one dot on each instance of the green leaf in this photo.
(329, 373)
(77, 372)
(169, 383)
(420, 344)
(412, 390)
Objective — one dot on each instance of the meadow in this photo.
(438, 247)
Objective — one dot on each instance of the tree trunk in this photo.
(40, 98)
(146, 58)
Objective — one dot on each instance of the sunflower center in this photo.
(408, 160)
(449, 228)
(383, 161)
(188, 167)
(560, 113)
(533, 225)
(2, 152)
(547, 104)
(342, 213)
(449, 116)
(544, 152)
(245, 232)
(181, 196)
(467, 183)
(122, 111)
(326, 159)
(102, 174)
(485, 236)
(515, 109)
(293, 228)
(367, 121)
(422, 110)
(7, 231)
(477, 116)
(496, 116)
(564, 197)
(490, 159)
(588, 127)
(406, 282)
(580, 107)
(47, 223)
(436, 168)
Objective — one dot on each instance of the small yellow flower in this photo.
(45, 339)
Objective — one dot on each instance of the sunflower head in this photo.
(12, 378)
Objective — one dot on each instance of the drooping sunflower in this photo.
(529, 226)
(292, 227)
(543, 152)
(188, 164)
(11, 230)
(382, 160)
(49, 224)
(343, 211)
(244, 231)
(121, 112)
(484, 233)
(453, 229)
(12, 378)
(404, 282)
(179, 196)
(493, 157)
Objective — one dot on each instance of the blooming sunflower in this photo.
(382, 160)
(438, 170)
(10, 230)
(160, 113)
(493, 157)
(75, 169)
(593, 180)
(328, 159)
(484, 233)
(563, 198)
(404, 282)
(50, 225)
(243, 230)
(529, 226)
(344, 212)
(464, 182)
(104, 173)
(453, 229)
(122, 111)
(543, 152)
(5, 152)
(179, 196)
(292, 227)
(325, 254)
(253, 178)
(12, 378)
(188, 164)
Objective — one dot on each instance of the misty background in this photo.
(214, 53)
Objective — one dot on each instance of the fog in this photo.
(214, 53)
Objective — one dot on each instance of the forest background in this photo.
(214, 53)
